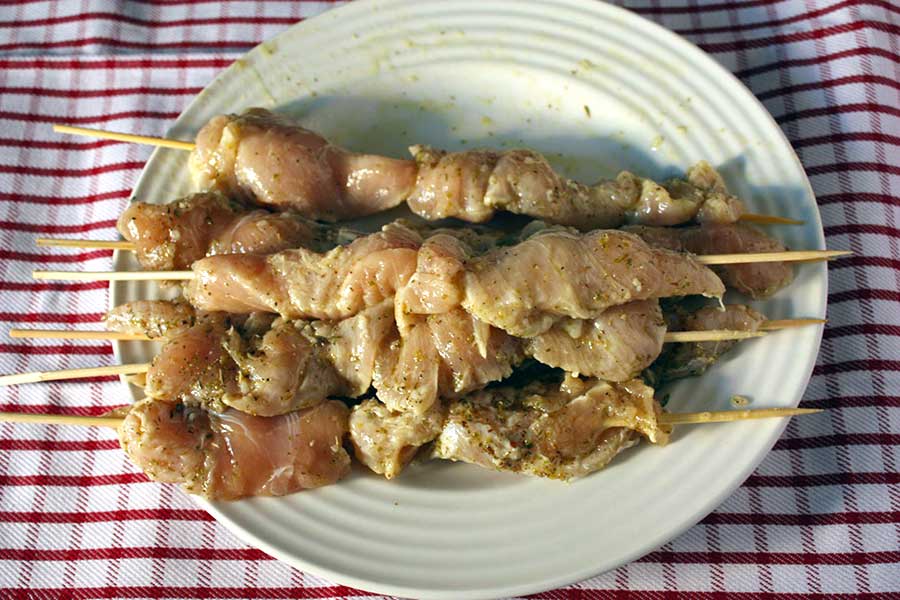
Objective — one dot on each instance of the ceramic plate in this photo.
(597, 89)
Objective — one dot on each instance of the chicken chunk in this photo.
(550, 430)
(172, 236)
(616, 346)
(230, 455)
(153, 318)
(525, 289)
(694, 358)
(272, 161)
(385, 440)
(212, 365)
(757, 280)
(301, 283)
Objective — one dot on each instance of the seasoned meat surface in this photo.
(386, 440)
(274, 162)
(301, 283)
(172, 236)
(549, 430)
(757, 280)
(615, 346)
(525, 289)
(153, 318)
(694, 358)
(230, 455)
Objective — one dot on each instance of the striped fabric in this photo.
(821, 515)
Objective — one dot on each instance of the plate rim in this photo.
(385, 587)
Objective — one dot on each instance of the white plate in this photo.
(605, 90)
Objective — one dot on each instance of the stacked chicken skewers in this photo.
(283, 313)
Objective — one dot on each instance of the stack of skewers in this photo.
(295, 341)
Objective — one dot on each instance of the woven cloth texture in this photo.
(819, 517)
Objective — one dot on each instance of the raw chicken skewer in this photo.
(131, 369)
(172, 236)
(709, 335)
(219, 455)
(710, 259)
(724, 416)
(275, 162)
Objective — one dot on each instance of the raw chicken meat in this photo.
(230, 455)
(694, 358)
(757, 280)
(550, 430)
(386, 440)
(153, 318)
(525, 289)
(274, 162)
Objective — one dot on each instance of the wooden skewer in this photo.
(113, 275)
(724, 416)
(125, 137)
(664, 419)
(7, 417)
(38, 376)
(709, 259)
(65, 334)
(777, 324)
(98, 244)
(763, 257)
(189, 146)
(709, 335)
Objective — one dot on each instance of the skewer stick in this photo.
(763, 257)
(125, 137)
(709, 259)
(189, 146)
(664, 419)
(724, 416)
(113, 275)
(99, 244)
(113, 422)
(64, 334)
(38, 376)
(777, 324)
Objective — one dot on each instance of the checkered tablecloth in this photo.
(821, 515)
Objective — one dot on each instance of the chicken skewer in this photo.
(711, 259)
(217, 455)
(707, 335)
(275, 162)
(173, 236)
(724, 416)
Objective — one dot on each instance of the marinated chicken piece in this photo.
(192, 367)
(354, 344)
(616, 346)
(153, 318)
(757, 280)
(385, 440)
(525, 289)
(442, 356)
(701, 197)
(301, 283)
(472, 185)
(274, 162)
(694, 358)
(212, 365)
(230, 455)
(284, 370)
(550, 430)
(172, 236)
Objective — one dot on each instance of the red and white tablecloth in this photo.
(821, 515)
